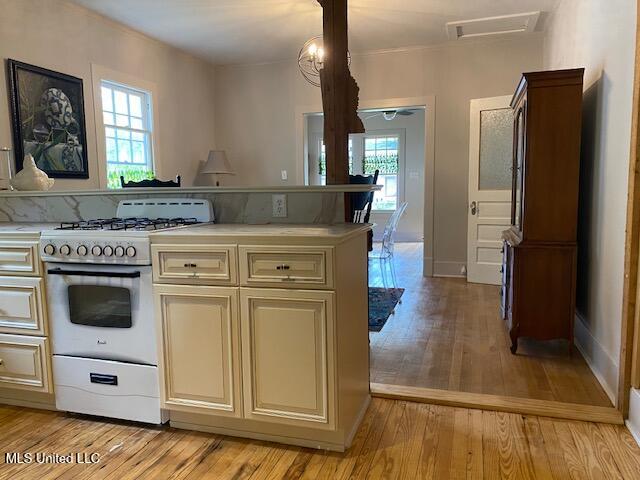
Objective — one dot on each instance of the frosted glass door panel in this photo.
(496, 149)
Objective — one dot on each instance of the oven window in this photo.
(100, 306)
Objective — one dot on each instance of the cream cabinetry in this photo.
(22, 305)
(24, 346)
(195, 264)
(19, 257)
(200, 348)
(276, 266)
(276, 345)
(24, 362)
(287, 349)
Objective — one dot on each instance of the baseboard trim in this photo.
(633, 422)
(14, 402)
(604, 368)
(500, 403)
(448, 269)
(300, 442)
(359, 418)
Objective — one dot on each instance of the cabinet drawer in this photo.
(24, 363)
(22, 306)
(286, 266)
(197, 264)
(19, 257)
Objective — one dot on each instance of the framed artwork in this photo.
(48, 120)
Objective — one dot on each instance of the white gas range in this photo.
(99, 289)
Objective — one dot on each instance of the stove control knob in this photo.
(65, 250)
(131, 252)
(119, 251)
(107, 251)
(96, 250)
(82, 250)
(49, 249)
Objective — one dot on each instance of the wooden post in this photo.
(339, 94)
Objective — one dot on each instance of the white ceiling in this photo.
(253, 31)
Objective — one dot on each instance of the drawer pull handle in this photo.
(1, 362)
(190, 265)
(283, 267)
(103, 379)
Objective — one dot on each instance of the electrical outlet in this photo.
(279, 205)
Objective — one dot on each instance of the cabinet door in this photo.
(24, 363)
(22, 308)
(20, 257)
(287, 356)
(199, 341)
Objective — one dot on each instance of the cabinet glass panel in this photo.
(496, 149)
(519, 157)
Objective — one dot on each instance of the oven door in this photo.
(102, 311)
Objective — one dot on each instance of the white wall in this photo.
(411, 227)
(256, 115)
(64, 37)
(600, 36)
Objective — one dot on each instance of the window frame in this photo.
(98, 74)
(357, 151)
(146, 118)
(396, 132)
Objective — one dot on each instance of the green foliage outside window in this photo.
(130, 173)
(387, 164)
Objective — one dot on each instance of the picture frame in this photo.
(48, 120)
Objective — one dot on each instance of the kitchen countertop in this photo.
(8, 228)
(335, 233)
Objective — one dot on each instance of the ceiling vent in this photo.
(483, 27)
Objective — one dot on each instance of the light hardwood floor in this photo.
(448, 334)
(397, 440)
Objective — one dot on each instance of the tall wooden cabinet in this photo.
(539, 256)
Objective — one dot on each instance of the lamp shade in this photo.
(217, 163)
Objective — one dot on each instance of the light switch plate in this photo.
(279, 205)
(284, 175)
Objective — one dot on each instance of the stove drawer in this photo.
(108, 389)
(19, 258)
(22, 307)
(195, 264)
(287, 266)
(24, 363)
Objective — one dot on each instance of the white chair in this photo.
(385, 254)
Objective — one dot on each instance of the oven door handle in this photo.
(89, 273)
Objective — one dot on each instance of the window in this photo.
(128, 130)
(367, 153)
(381, 153)
(322, 160)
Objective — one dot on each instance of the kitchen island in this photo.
(262, 330)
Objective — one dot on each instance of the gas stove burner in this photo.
(133, 223)
(97, 224)
(150, 224)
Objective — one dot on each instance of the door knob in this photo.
(474, 208)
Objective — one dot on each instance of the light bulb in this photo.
(321, 54)
(313, 48)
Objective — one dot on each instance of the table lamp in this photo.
(217, 164)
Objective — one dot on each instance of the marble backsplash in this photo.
(233, 207)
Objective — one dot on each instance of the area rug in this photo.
(382, 301)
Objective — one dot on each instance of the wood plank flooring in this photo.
(447, 334)
(397, 440)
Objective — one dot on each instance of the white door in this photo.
(490, 166)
